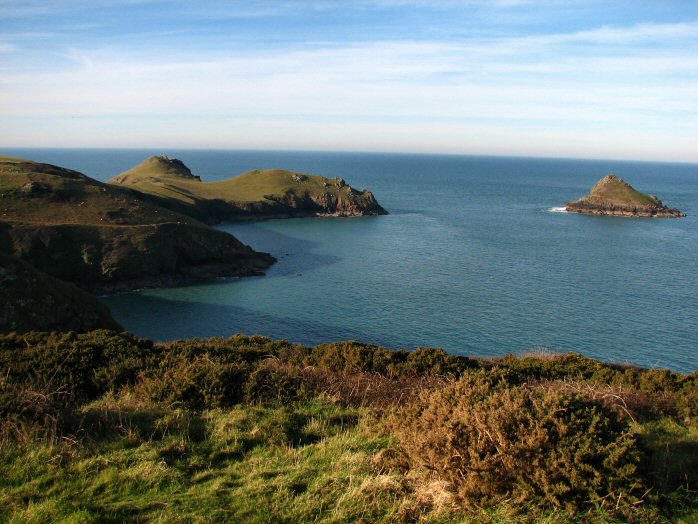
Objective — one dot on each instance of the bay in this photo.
(473, 258)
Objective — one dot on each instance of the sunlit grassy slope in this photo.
(36, 193)
(613, 189)
(258, 191)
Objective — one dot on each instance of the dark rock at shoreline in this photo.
(31, 300)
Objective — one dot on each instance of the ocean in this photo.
(475, 257)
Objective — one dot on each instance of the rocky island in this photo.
(255, 195)
(613, 196)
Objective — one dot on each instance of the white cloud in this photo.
(517, 95)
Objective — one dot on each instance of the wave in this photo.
(557, 210)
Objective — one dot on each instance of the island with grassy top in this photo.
(255, 195)
(613, 196)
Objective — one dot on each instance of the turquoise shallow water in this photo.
(471, 259)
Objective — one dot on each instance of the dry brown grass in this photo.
(630, 402)
(29, 412)
(368, 389)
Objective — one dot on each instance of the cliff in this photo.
(107, 238)
(615, 197)
(258, 194)
(31, 300)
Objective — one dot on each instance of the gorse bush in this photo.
(197, 383)
(83, 366)
(493, 441)
(541, 433)
(271, 382)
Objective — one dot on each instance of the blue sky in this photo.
(574, 78)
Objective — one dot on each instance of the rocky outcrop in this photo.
(118, 258)
(612, 196)
(34, 301)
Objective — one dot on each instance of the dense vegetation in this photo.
(102, 427)
(31, 299)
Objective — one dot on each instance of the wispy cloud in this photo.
(248, 83)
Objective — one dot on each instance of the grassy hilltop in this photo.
(252, 195)
(103, 237)
(106, 427)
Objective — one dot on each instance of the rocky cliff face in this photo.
(34, 301)
(107, 259)
(612, 196)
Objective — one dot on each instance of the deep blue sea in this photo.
(472, 258)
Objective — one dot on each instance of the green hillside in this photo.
(255, 194)
(36, 193)
(106, 238)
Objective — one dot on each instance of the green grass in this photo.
(252, 464)
(312, 461)
(12, 159)
(156, 176)
(61, 196)
(614, 190)
(106, 427)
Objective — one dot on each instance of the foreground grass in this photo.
(105, 427)
(312, 461)
(249, 463)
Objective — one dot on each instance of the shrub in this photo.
(551, 366)
(84, 366)
(493, 441)
(199, 383)
(429, 361)
(688, 397)
(27, 413)
(272, 382)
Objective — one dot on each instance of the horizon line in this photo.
(354, 151)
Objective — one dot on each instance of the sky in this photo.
(562, 78)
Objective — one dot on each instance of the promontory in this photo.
(613, 196)
(255, 195)
(105, 238)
